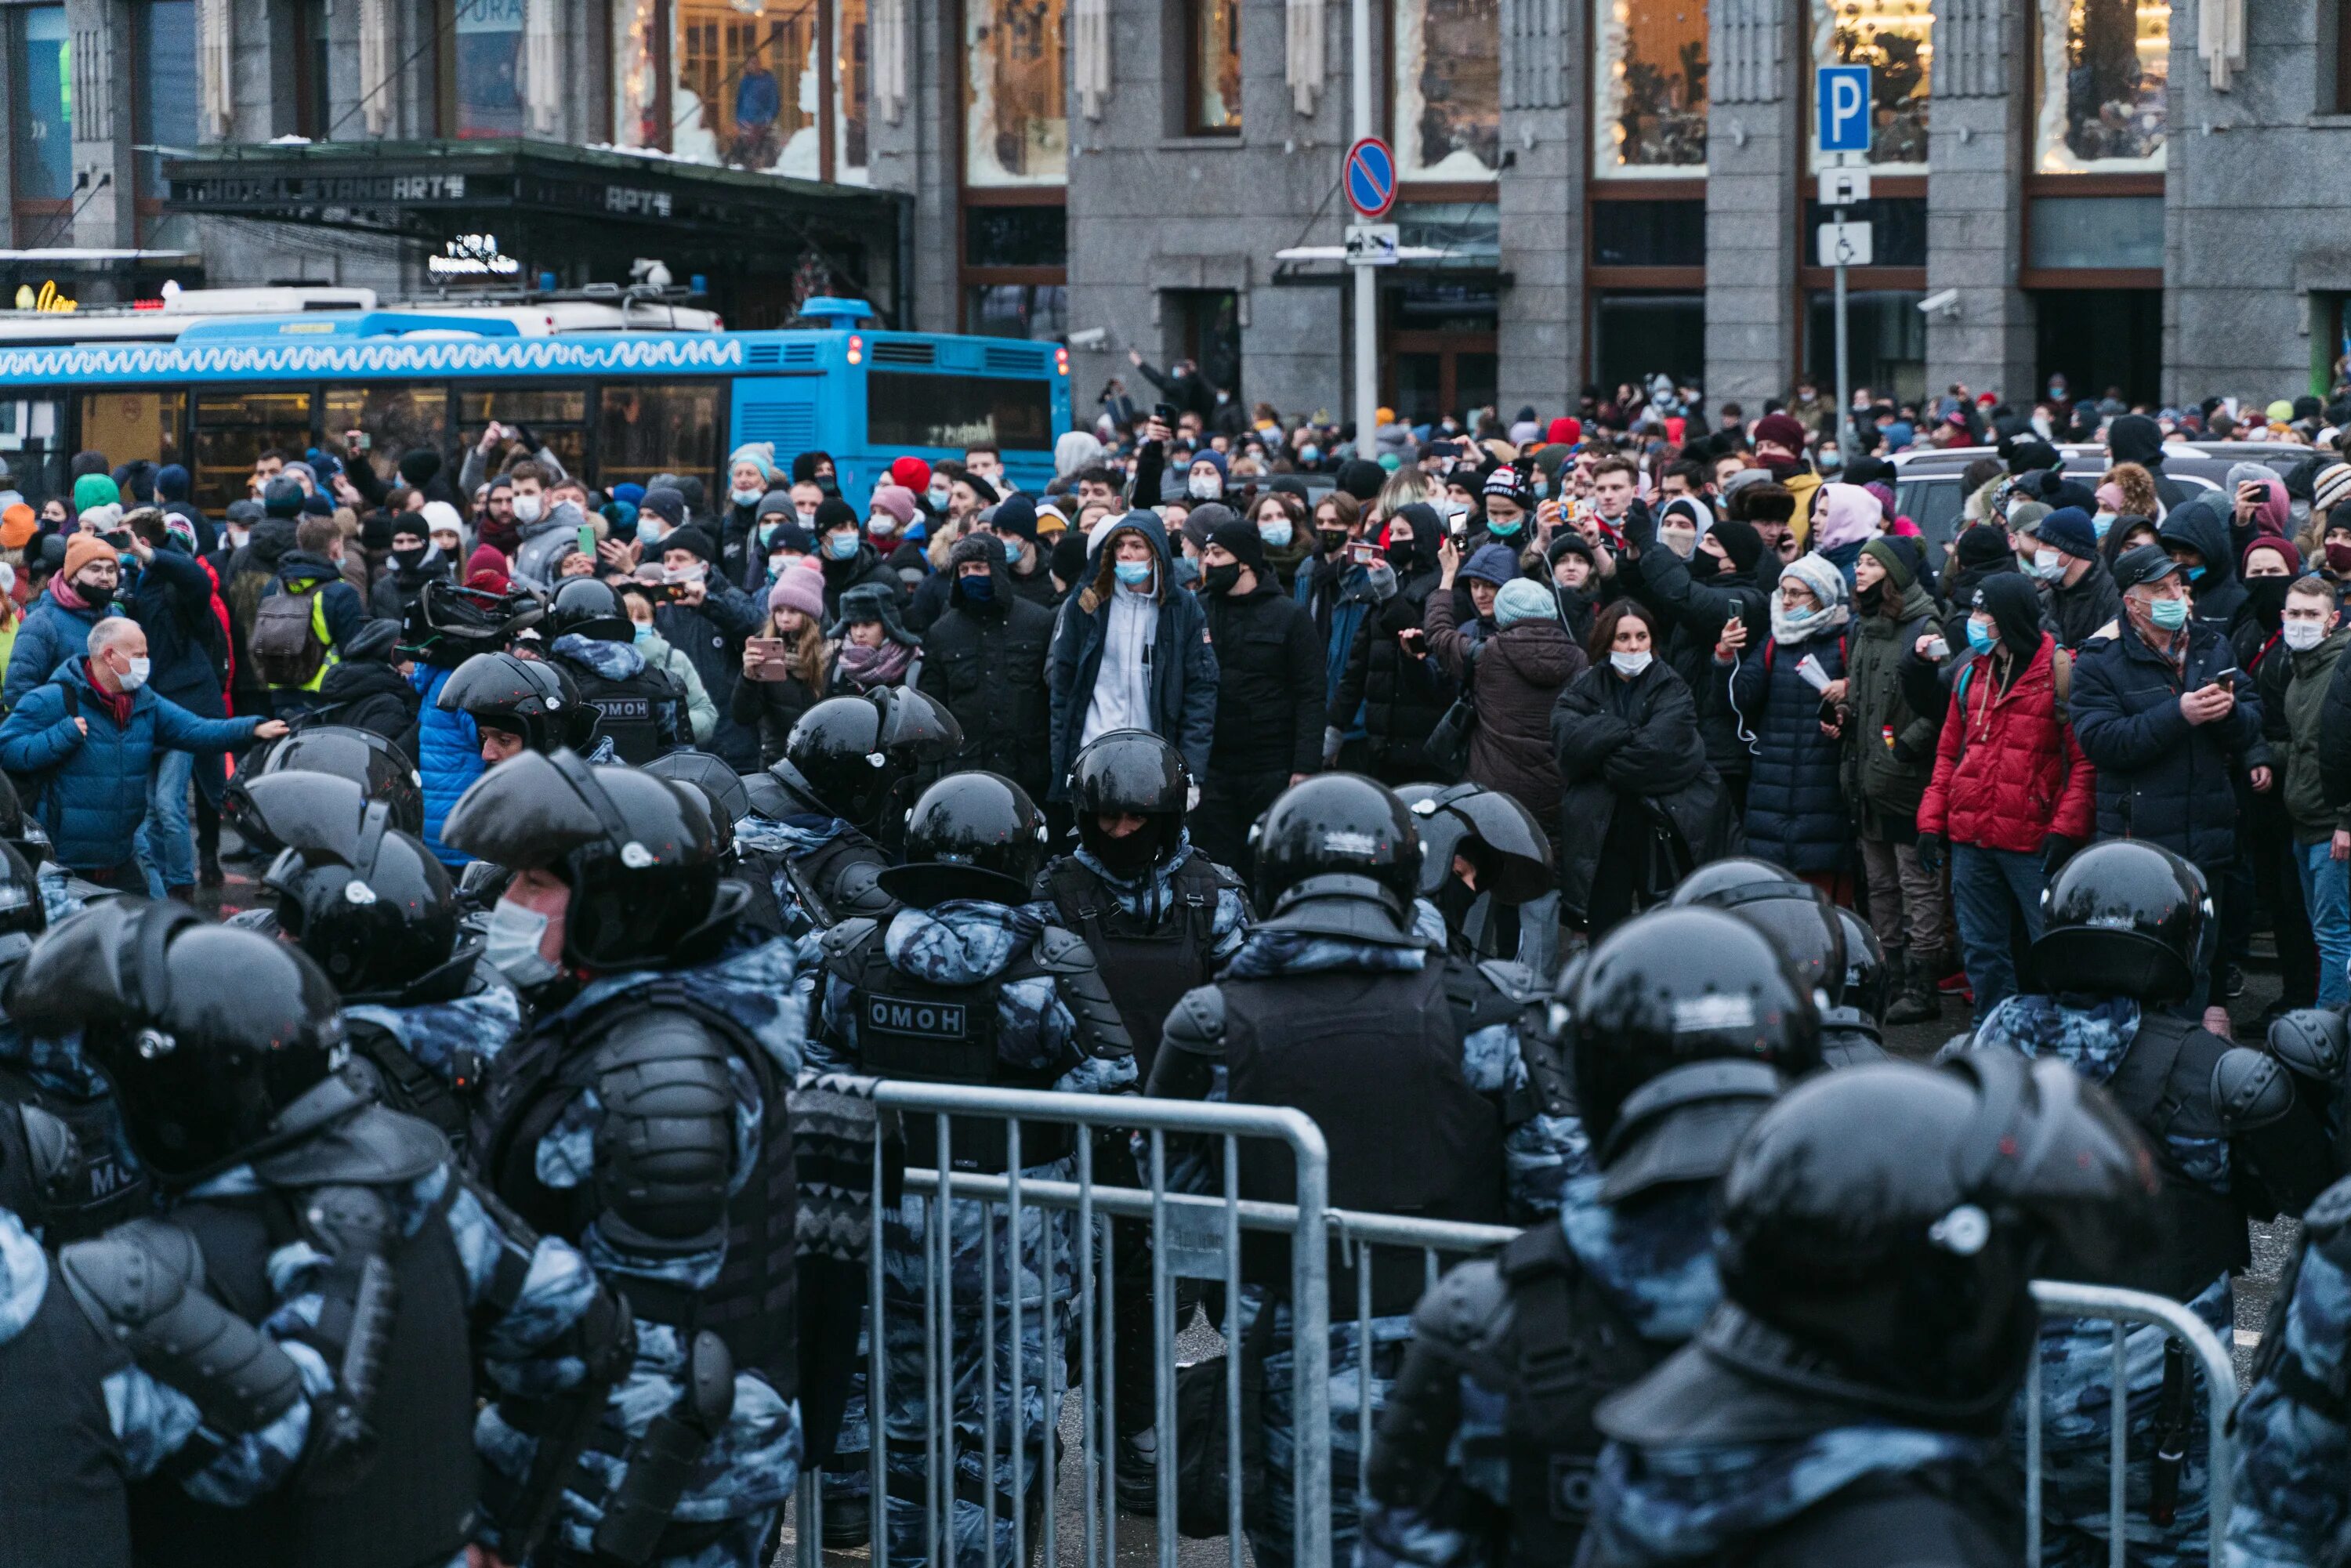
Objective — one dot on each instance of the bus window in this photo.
(129, 425)
(33, 445)
(910, 408)
(558, 420)
(642, 429)
(234, 428)
(396, 420)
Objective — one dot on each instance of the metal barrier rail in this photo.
(2057, 1299)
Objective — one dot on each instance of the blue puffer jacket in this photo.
(1795, 800)
(50, 635)
(2160, 778)
(94, 793)
(448, 755)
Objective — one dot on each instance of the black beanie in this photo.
(1982, 546)
(1241, 538)
(1069, 562)
(1362, 479)
(834, 513)
(1740, 542)
(419, 466)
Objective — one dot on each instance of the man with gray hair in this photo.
(84, 743)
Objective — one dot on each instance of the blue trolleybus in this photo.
(214, 392)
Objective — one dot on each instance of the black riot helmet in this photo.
(587, 608)
(2124, 918)
(22, 913)
(530, 697)
(640, 854)
(1888, 1219)
(449, 622)
(210, 1035)
(371, 906)
(1673, 987)
(379, 769)
(18, 829)
(1504, 844)
(1863, 988)
(971, 835)
(833, 760)
(1797, 917)
(719, 784)
(920, 737)
(1339, 855)
(1130, 772)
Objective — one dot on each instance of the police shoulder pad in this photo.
(1515, 981)
(2250, 1090)
(1461, 1310)
(1196, 1022)
(2312, 1041)
(859, 888)
(1060, 952)
(840, 941)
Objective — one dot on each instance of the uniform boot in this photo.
(1916, 1000)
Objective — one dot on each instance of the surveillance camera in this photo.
(1943, 303)
(1089, 337)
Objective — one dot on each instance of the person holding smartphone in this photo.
(1392, 689)
(783, 662)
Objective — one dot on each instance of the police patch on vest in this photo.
(623, 707)
(925, 1019)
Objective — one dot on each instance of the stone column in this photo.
(1754, 161)
(1979, 148)
(1541, 331)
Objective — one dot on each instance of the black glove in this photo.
(1931, 848)
(2056, 849)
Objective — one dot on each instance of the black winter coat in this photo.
(2219, 594)
(1269, 682)
(2076, 613)
(1622, 746)
(1693, 610)
(1796, 810)
(711, 636)
(840, 575)
(987, 663)
(770, 708)
(1401, 694)
(367, 694)
(2160, 778)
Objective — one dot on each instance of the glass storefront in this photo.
(1016, 108)
(1448, 89)
(2100, 75)
(1896, 40)
(1649, 109)
(778, 86)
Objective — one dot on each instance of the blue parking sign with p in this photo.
(1841, 101)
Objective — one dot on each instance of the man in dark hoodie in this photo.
(984, 659)
(1270, 696)
(2078, 596)
(365, 690)
(2196, 535)
(848, 559)
(1392, 679)
(415, 563)
(2135, 438)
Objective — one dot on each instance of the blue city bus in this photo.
(613, 406)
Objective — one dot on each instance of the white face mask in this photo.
(881, 524)
(512, 946)
(2302, 636)
(1630, 665)
(527, 507)
(938, 495)
(744, 497)
(136, 676)
(2048, 565)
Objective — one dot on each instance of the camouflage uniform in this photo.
(484, 1021)
(1656, 1264)
(2077, 1353)
(58, 1068)
(2293, 1426)
(1150, 898)
(1542, 1156)
(970, 942)
(748, 1469)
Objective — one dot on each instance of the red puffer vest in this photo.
(2008, 771)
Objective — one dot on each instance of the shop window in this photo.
(746, 86)
(1448, 89)
(640, 65)
(2064, 231)
(1034, 310)
(1468, 233)
(2100, 75)
(1650, 110)
(1896, 40)
(395, 420)
(1634, 336)
(851, 78)
(1016, 113)
(163, 103)
(558, 421)
(1885, 341)
(42, 106)
(1649, 234)
(1212, 67)
(643, 428)
(1016, 237)
(133, 426)
(485, 59)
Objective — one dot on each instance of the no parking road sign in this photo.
(1370, 177)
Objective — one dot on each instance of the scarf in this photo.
(867, 668)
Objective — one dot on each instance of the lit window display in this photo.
(1016, 113)
(750, 84)
(1650, 113)
(1448, 89)
(2100, 74)
(1896, 40)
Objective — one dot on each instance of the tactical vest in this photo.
(1149, 964)
(405, 1084)
(61, 1485)
(103, 1188)
(928, 1033)
(415, 1504)
(629, 712)
(1567, 1347)
(753, 1303)
(1376, 1059)
(833, 881)
(2164, 1085)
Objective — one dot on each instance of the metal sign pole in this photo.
(1367, 289)
(1844, 387)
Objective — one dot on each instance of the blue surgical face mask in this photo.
(2170, 614)
(644, 633)
(1187, 571)
(512, 947)
(1502, 530)
(2193, 573)
(1134, 573)
(744, 497)
(840, 546)
(1012, 548)
(2101, 522)
(1310, 454)
(1542, 486)
(1276, 533)
(1979, 637)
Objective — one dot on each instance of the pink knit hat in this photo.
(800, 588)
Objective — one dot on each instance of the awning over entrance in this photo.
(581, 213)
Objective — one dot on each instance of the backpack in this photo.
(287, 648)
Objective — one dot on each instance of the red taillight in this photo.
(856, 348)
(1061, 360)
(146, 305)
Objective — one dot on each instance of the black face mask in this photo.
(1399, 554)
(2265, 597)
(1332, 540)
(1870, 600)
(1130, 856)
(410, 559)
(97, 595)
(1221, 580)
(1703, 565)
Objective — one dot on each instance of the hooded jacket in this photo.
(1396, 698)
(986, 662)
(1889, 750)
(365, 691)
(2160, 778)
(1520, 672)
(1796, 808)
(2135, 438)
(1269, 696)
(1694, 610)
(866, 566)
(2315, 814)
(1183, 680)
(2218, 594)
(48, 634)
(1619, 744)
(298, 569)
(2008, 771)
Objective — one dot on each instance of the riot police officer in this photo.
(518, 705)
(1878, 1232)
(1812, 936)
(961, 985)
(1853, 1028)
(648, 1104)
(2122, 922)
(289, 1196)
(1343, 1004)
(825, 813)
(66, 1168)
(377, 914)
(639, 711)
(1484, 858)
(1485, 1452)
(380, 769)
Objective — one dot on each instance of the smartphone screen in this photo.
(587, 539)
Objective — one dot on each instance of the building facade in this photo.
(2126, 191)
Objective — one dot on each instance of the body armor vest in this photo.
(2164, 1085)
(405, 1084)
(815, 878)
(61, 1487)
(1376, 1059)
(630, 713)
(103, 1187)
(753, 1303)
(1149, 964)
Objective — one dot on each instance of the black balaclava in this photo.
(2014, 603)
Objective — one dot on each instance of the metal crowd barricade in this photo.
(1196, 1237)
(2126, 1307)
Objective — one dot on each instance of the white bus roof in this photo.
(163, 321)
